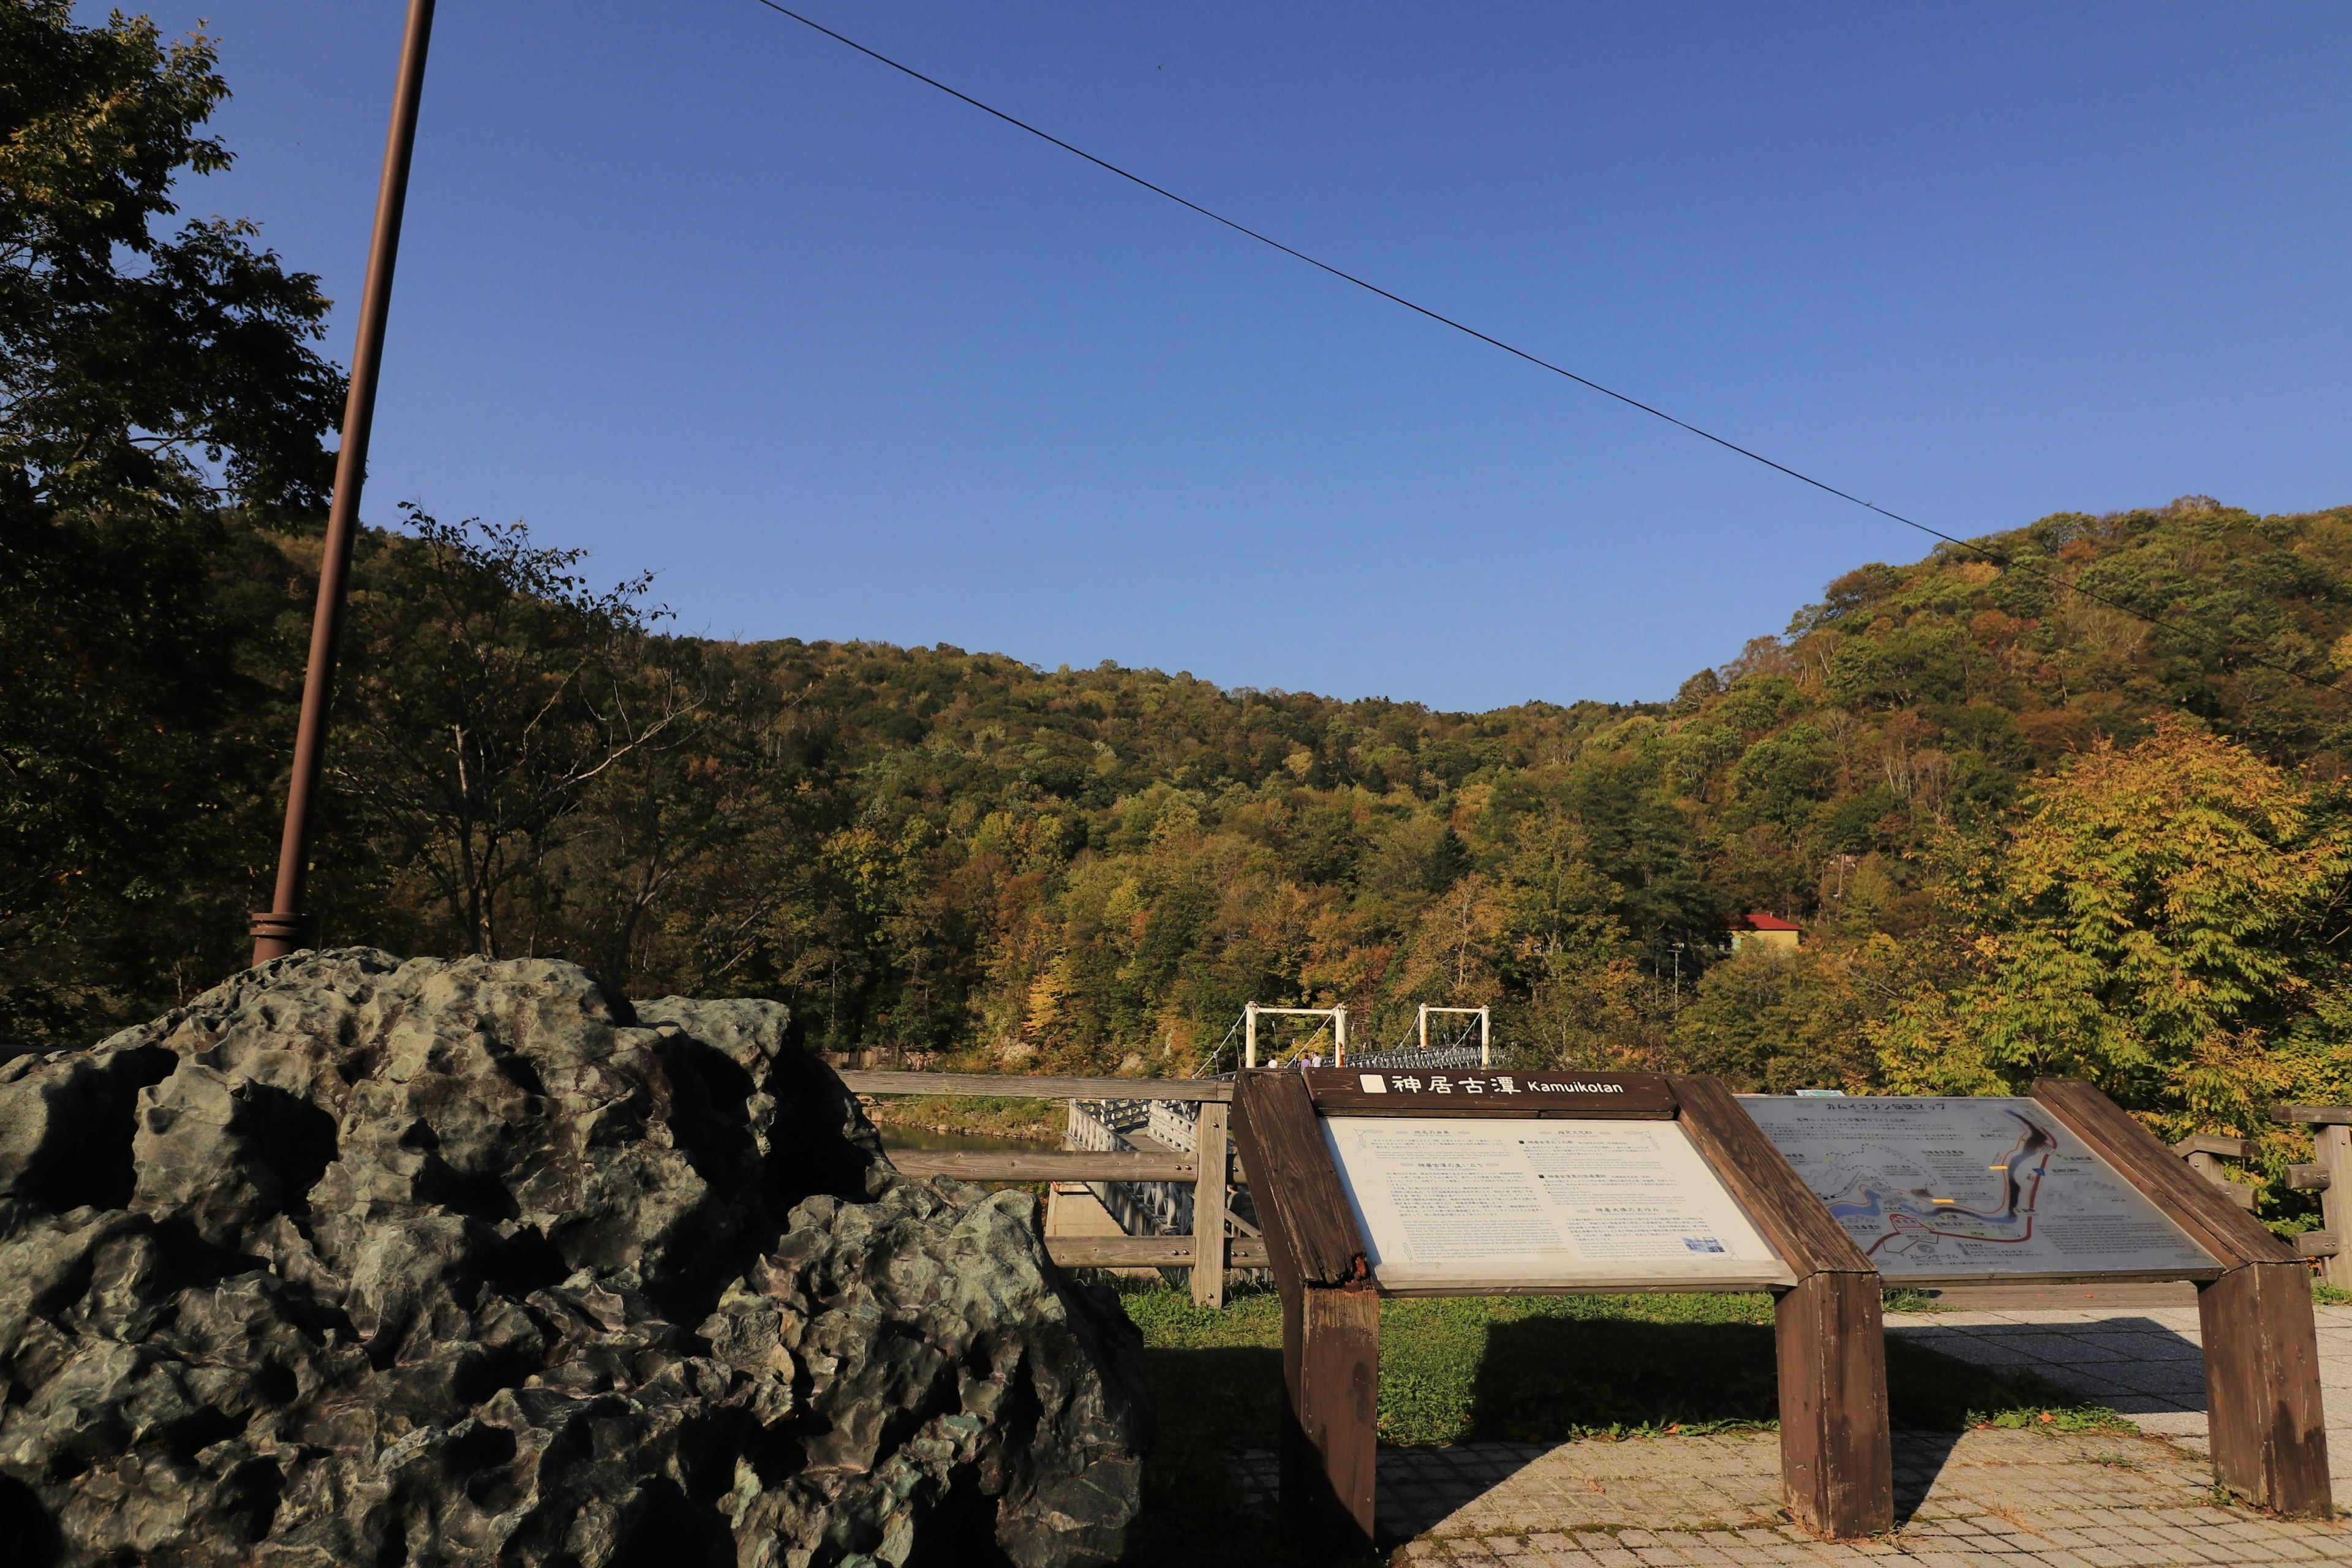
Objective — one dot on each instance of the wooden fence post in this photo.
(2334, 1152)
(2331, 1174)
(1209, 1207)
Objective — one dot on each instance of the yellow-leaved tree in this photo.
(2166, 921)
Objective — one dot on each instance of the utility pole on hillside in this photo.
(281, 931)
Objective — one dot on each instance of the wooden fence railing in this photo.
(1208, 1252)
(2331, 1177)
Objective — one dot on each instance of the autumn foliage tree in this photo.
(2067, 798)
(2160, 919)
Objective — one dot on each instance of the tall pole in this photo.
(281, 931)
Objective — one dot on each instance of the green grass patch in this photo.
(2330, 1296)
(1525, 1368)
(1216, 1379)
(1905, 1299)
(1543, 1368)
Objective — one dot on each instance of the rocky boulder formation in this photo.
(362, 1262)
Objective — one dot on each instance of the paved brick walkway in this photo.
(1977, 1500)
(2146, 1363)
(1981, 1500)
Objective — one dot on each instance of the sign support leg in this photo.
(2262, 1387)
(1332, 1378)
(1837, 1463)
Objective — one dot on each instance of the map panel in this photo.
(1972, 1189)
(1447, 1204)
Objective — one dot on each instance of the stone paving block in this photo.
(2180, 1380)
(1986, 1500)
(2166, 1347)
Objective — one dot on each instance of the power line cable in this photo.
(1996, 558)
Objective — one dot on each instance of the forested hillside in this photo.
(2023, 828)
(956, 854)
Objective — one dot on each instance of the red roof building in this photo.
(1760, 929)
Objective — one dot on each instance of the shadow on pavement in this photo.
(1918, 1460)
(2135, 1366)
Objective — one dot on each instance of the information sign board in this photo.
(1955, 1190)
(1446, 1203)
(1604, 1096)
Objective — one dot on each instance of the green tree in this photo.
(148, 379)
(133, 362)
(2156, 919)
(490, 690)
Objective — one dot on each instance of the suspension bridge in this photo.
(1261, 1036)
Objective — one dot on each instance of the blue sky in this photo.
(838, 357)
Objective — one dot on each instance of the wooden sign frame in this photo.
(2260, 1342)
(1836, 1452)
(2268, 1432)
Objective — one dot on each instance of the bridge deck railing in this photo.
(1207, 1171)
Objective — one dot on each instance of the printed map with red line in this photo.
(1970, 1189)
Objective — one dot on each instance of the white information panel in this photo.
(1454, 1203)
(1972, 1189)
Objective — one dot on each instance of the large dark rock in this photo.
(358, 1262)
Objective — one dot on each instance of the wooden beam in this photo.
(2333, 1144)
(1045, 1165)
(2322, 1115)
(1019, 1086)
(1837, 1451)
(2308, 1178)
(2268, 1432)
(1145, 1252)
(1330, 1316)
(2238, 1192)
(1308, 1224)
(1767, 1186)
(1330, 1429)
(2318, 1244)
(2205, 1153)
(1837, 1454)
(1209, 1205)
(2215, 1223)
(2207, 1143)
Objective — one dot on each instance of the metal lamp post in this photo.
(281, 931)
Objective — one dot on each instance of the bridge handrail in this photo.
(1104, 1159)
(1018, 1086)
